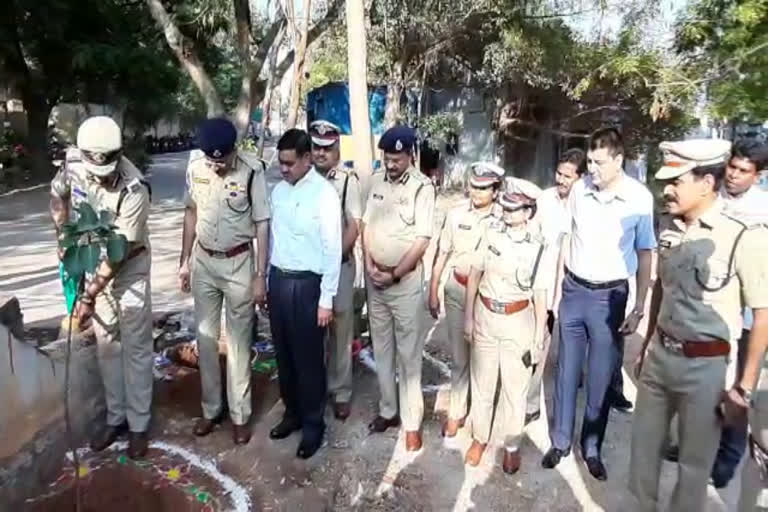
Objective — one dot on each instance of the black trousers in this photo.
(299, 342)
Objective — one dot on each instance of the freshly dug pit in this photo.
(170, 479)
(120, 488)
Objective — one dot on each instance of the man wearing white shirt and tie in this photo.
(552, 207)
(610, 238)
(303, 279)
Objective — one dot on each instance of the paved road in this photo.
(28, 264)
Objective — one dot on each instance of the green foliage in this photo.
(440, 127)
(84, 241)
(724, 45)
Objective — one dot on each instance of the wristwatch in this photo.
(746, 394)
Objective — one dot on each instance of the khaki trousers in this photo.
(395, 315)
(340, 335)
(213, 281)
(691, 387)
(754, 491)
(455, 298)
(123, 326)
(498, 347)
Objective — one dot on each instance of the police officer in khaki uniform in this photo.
(505, 320)
(462, 232)
(397, 226)
(226, 207)
(708, 262)
(325, 157)
(117, 297)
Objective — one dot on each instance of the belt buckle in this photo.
(671, 343)
(498, 307)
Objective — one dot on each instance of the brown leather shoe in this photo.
(412, 441)
(341, 410)
(451, 427)
(138, 444)
(381, 424)
(106, 437)
(241, 434)
(204, 426)
(512, 461)
(475, 453)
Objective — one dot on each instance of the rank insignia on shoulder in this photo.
(378, 196)
(494, 250)
(665, 244)
(134, 186)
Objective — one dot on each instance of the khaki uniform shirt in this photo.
(74, 183)
(224, 217)
(396, 214)
(705, 270)
(512, 263)
(353, 205)
(463, 230)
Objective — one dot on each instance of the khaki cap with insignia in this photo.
(324, 133)
(484, 174)
(685, 155)
(519, 193)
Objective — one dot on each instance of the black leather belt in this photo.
(231, 253)
(595, 285)
(294, 274)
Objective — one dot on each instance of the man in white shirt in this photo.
(303, 279)
(552, 207)
(610, 237)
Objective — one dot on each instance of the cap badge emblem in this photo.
(398, 145)
(322, 129)
(216, 153)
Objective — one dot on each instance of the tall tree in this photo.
(300, 33)
(88, 51)
(254, 36)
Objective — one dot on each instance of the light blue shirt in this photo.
(607, 228)
(306, 231)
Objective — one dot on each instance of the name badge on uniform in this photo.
(79, 192)
(378, 196)
(465, 227)
(201, 181)
(665, 244)
(233, 187)
(494, 250)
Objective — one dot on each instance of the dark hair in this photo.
(295, 139)
(717, 171)
(608, 138)
(576, 157)
(751, 150)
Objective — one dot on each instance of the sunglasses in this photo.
(515, 209)
(99, 157)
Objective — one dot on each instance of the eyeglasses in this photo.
(515, 209)
(100, 157)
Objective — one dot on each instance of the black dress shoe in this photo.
(309, 445)
(672, 453)
(532, 416)
(381, 424)
(138, 443)
(553, 457)
(106, 437)
(284, 429)
(620, 403)
(596, 468)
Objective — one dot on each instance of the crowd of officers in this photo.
(519, 268)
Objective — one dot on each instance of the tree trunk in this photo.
(38, 111)
(298, 67)
(357, 70)
(266, 109)
(394, 93)
(185, 53)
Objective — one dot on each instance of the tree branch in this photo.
(334, 9)
(184, 50)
